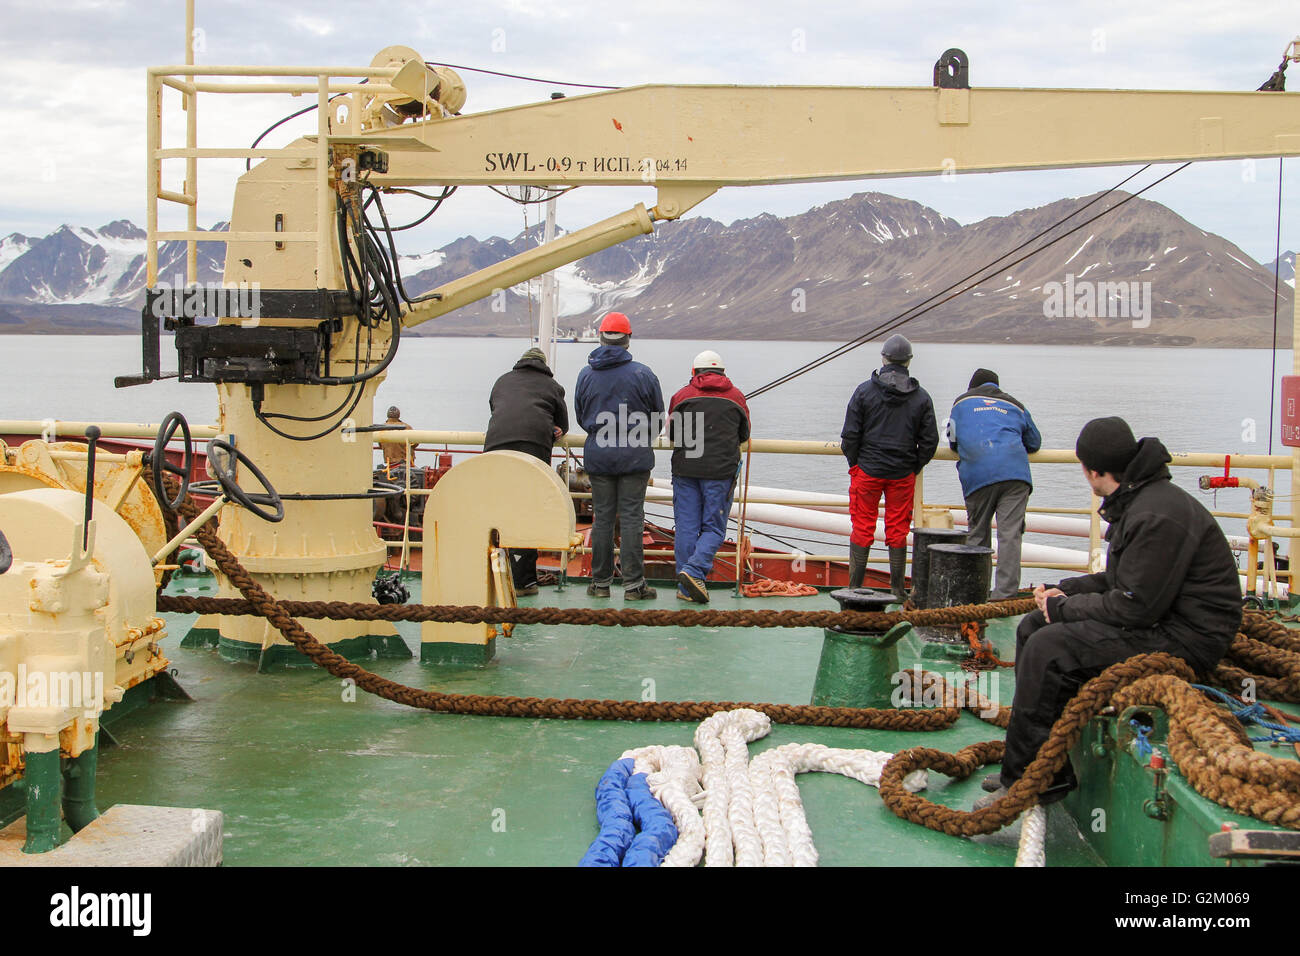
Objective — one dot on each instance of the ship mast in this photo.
(550, 294)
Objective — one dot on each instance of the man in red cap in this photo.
(620, 406)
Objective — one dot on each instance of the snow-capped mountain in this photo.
(1287, 259)
(75, 265)
(832, 272)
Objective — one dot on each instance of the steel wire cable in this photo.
(926, 305)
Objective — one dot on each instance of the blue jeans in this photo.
(700, 507)
(620, 497)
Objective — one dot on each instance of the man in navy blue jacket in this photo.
(621, 408)
(993, 436)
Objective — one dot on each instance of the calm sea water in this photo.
(1193, 399)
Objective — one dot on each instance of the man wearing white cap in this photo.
(708, 421)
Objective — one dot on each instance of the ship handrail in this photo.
(434, 441)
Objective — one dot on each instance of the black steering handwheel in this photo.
(159, 463)
(223, 466)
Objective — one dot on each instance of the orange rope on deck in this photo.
(767, 587)
(983, 657)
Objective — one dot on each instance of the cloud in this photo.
(71, 80)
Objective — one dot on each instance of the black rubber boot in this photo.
(857, 564)
(898, 572)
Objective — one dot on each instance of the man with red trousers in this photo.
(889, 435)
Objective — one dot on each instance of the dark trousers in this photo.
(523, 561)
(1007, 500)
(1052, 662)
(620, 497)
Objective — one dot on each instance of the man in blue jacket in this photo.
(993, 436)
(621, 408)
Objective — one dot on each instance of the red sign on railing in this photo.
(1291, 410)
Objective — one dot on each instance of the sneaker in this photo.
(595, 590)
(643, 593)
(991, 783)
(684, 597)
(989, 800)
(694, 588)
(527, 591)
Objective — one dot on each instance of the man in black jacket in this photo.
(1170, 585)
(889, 435)
(528, 415)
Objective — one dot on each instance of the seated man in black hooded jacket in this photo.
(1170, 585)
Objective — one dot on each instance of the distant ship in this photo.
(562, 335)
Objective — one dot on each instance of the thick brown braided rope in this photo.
(1262, 628)
(600, 617)
(534, 707)
(968, 697)
(1265, 654)
(1092, 698)
(1207, 744)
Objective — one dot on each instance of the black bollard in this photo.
(922, 540)
(959, 574)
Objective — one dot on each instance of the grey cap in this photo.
(897, 349)
(394, 411)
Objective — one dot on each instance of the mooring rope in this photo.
(1208, 744)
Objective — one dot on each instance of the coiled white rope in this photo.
(778, 808)
(728, 799)
(1032, 850)
(673, 775)
(753, 814)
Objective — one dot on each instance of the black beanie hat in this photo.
(983, 376)
(1106, 445)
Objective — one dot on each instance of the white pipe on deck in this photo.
(839, 524)
(1064, 525)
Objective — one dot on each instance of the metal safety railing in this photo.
(324, 81)
(456, 442)
(462, 442)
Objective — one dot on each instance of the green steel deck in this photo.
(307, 778)
(308, 772)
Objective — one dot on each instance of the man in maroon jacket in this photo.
(708, 421)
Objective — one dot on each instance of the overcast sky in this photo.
(72, 77)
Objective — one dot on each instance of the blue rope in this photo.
(635, 828)
(1143, 745)
(1254, 714)
(614, 813)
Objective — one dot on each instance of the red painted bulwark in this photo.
(1291, 410)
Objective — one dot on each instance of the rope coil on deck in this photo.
(1206, 742)
(753, 813)
(1209, 746)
